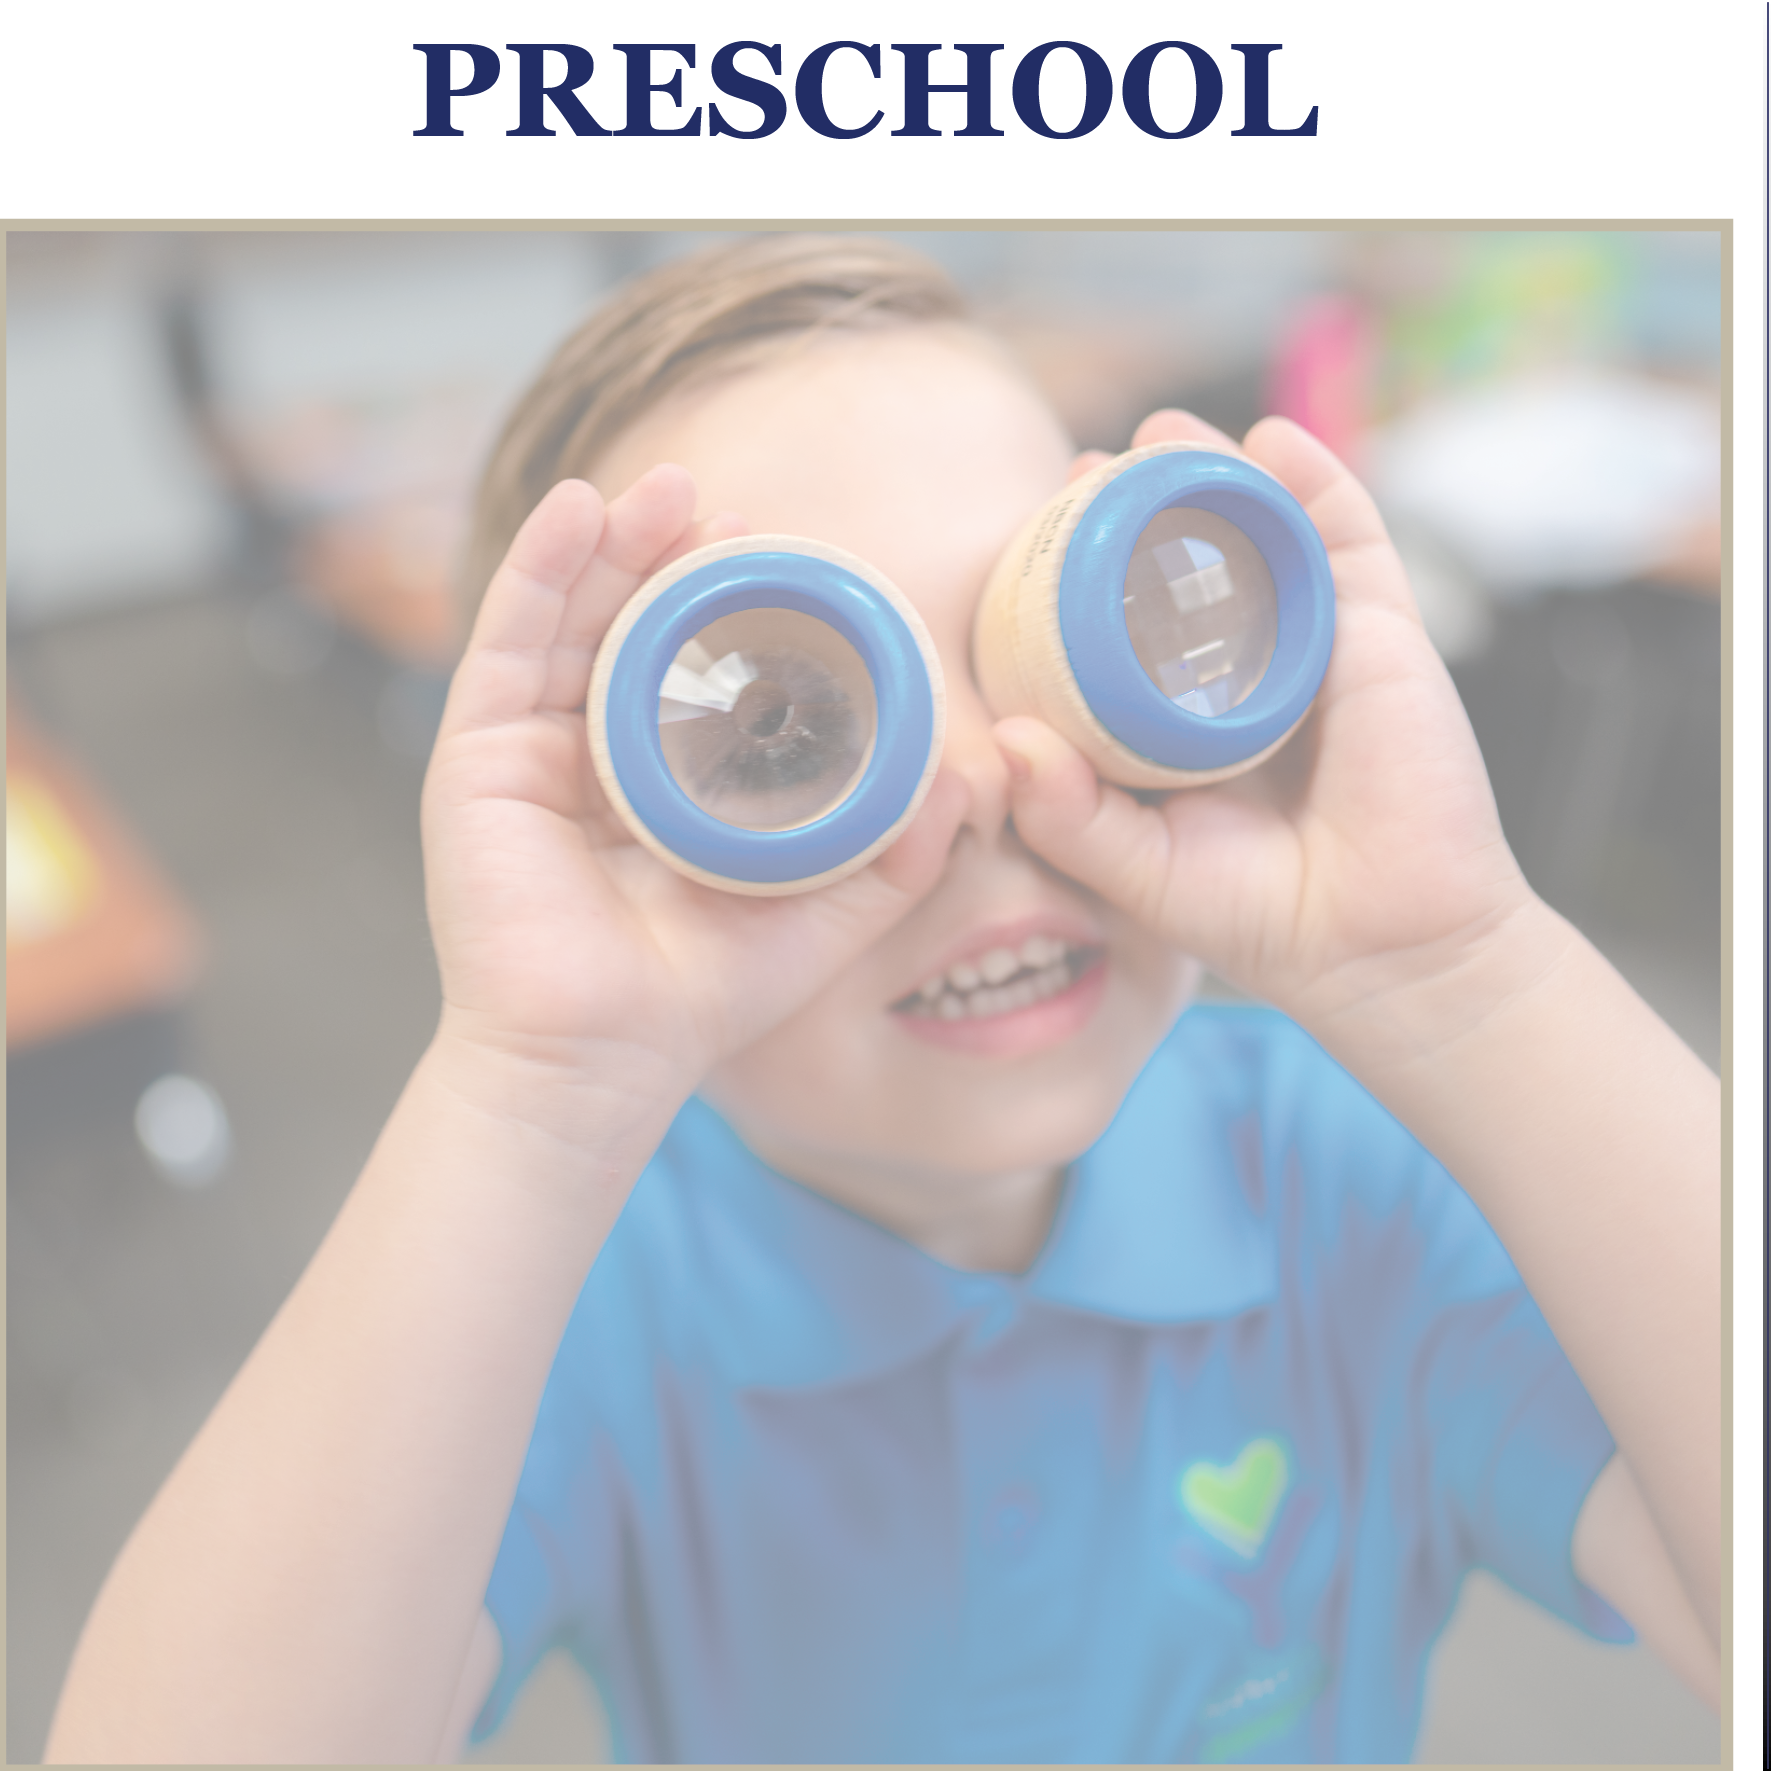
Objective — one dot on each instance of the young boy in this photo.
(1040, 1383)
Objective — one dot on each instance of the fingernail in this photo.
(1019, 768)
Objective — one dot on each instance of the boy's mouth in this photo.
(1002, 980)
(1010, 992)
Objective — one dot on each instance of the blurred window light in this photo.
(183, 1127)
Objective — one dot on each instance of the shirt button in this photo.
(1011, 1517)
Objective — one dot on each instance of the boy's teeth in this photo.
(999, 965)
(1002, 981)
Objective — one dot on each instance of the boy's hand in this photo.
(560, 940)
(1366, 856)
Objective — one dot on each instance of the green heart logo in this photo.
(1236, 1502)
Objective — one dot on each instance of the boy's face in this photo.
(922, 453)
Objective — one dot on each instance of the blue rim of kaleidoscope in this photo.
(1091, 609)
(906, 715)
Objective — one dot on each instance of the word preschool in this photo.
(1060, 90)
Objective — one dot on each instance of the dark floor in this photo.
(279, 788)
(291, 827)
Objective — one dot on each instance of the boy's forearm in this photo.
(304, 1586)
(1590, 1137)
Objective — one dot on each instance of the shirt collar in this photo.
(1162, 1221)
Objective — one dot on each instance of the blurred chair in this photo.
(94, 930)
(101, 952)
(1599, 717)
(359, 508)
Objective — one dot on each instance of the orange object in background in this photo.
(385, 569)
(93, 929)
(376, 496)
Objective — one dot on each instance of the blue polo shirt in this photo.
(1199, 1485)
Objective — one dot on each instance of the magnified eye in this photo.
(1201, 610)
(767, 719)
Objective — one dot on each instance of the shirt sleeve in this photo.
(526, 1600)
(1506, 1440)
(1516, 1444)
(552, 1535)
(1486, 1442)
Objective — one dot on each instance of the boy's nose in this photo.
(972, 753)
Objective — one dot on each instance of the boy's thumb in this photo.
(1043, 768)
(1063, 812)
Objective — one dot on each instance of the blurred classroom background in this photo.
(237, 470)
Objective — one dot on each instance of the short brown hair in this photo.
(697, 317)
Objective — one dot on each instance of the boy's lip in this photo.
(1074, 930)
(974, 1002)
(1020, 1032)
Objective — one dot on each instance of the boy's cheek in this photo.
(1184, 975)
(838, 1083)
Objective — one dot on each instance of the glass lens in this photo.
(1201, 610)
(767, 719)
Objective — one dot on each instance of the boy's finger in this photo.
(724, 525)
(857, 910)
(800, 940)
(1346, 516)
(1196, 868)
(915, 861)
(1099, 836)
(652, 517)
(572, 664)
(1171, 425)
(504, 670)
